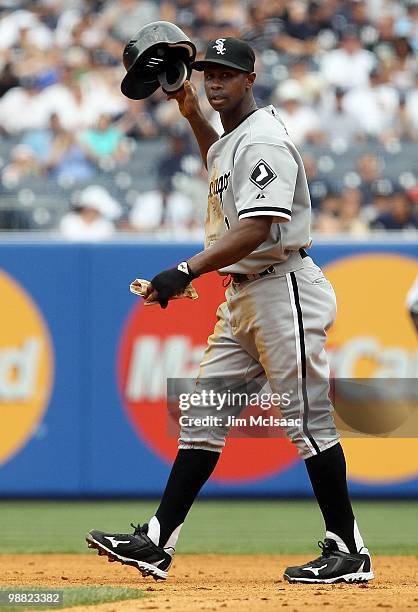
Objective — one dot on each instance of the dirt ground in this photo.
(239, 583)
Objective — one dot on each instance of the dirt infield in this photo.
(240, 583)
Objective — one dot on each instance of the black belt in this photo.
(242, 278)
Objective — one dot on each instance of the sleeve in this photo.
(264, 179)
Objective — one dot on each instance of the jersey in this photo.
(256, 170)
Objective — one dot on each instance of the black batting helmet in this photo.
(159, 54)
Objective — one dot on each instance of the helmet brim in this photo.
(136, 89)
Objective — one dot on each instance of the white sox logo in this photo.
(219, 46)
(262, 175)
(219, 185)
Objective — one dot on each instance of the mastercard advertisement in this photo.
(84, 368)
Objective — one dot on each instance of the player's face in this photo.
(225, 87)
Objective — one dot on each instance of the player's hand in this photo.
(187, 99)
(168, 283)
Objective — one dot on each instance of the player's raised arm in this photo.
(189, 107)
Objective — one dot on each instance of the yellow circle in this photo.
(26, 367)
(373, 337)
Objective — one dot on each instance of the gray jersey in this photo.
(256, 170)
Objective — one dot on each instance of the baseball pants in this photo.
(273, 329)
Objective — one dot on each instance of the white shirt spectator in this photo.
(374, 107)
(74, 227)
(347, 70)
(302, 121)
(148, 211)
(74, 114)
(21, 110)
(94, 218)
(98, 197)
(12, 24)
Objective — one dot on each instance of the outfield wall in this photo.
(83, 367)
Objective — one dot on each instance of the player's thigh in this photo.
(289, 318)
(313, 306)
(227, 371)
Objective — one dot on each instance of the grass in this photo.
(75, 596)
(216, 526)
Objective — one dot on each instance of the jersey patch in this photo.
(262, 175)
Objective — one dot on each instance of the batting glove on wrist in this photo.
(172, 281)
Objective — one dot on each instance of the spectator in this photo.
(138, 122)
(311, 82)
(125, 17)
(300, 120)
(105, 143)
(98, 195)
(297, 23)
(382, 191)
(68, 100)
(22, 164)
(403, 125)
(350, 64)
(369, 173)
(206, 21)
(406, 26)
(319, 187)
(174, 162)
(355, 14)
(16, 21)
(327, 223)
(400, 216)
(405, 64)
(24, 107)
(374, 105)
(231, 12)
(161, 209)
(331, 203)
(40, 141)
(263, 30)
(338, 123)
(67, 162)
(350, 213)
(8, 78)
(88, 221)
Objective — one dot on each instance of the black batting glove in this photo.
(172, 281)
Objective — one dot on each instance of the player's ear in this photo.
(250, 80)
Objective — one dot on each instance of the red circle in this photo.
(156, 344)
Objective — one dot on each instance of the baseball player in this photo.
(272, 324)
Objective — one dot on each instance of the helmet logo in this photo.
(219, 46)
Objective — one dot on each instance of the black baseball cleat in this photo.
(133, 549)
(333, 566)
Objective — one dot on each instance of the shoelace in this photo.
(326, 552)
(137, 529)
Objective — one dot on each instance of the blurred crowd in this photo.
(342, 73)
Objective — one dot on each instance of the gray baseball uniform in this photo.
(271, 326)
